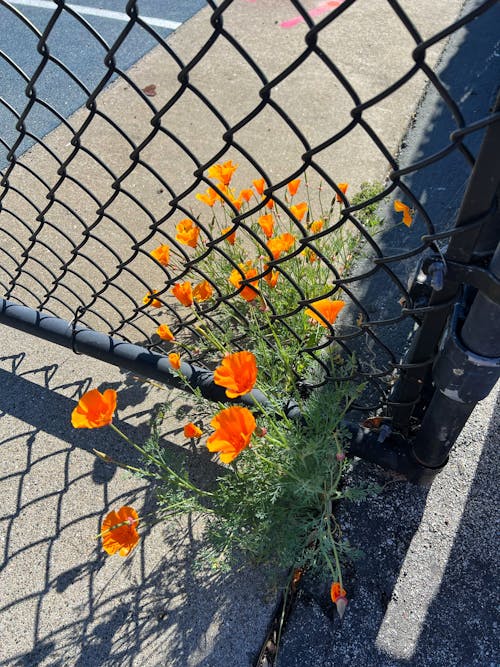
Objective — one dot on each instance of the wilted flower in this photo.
(164, 332)
(184, 293)
(329, 310)
(187, 233)
(94, 409)
(399, 207)
(338, 596)
(237, 373)
(161, 254)
(233, 431)
(119, 531)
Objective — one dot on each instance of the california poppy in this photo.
(269, 203)
(223, 172)
(271, 277)
(329, 310)
(293, 186)
(231, 239)
(209, 197)
(299, 210)
(237, 373)
(175, 360)
(259, 184)
(266, 223)
(161, 254)
(187, 233)
(164, 332)
(183, 292)
(246, 194)
(249, 272)
(233, 431)
(399, 207)
(202, 291)
(149, 300)
(343, 189)
(94, 409)
(316, 226)
(119, 531)
(336, 591)
(280, 244)
(192, 431)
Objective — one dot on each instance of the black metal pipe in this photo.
(465, 372)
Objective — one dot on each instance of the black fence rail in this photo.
(130, 216)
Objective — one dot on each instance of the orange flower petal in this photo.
(164, 332)
(234, 427)
(266, 223)
(328, 308)
(209, 197)
(192, 431)
(175, 360)
(316, 226)
(223, 172)
(299, 210)
(202, 291)
(119, 531)
(94, 409)
(161, 254)
(399, 207)
(259, 184)
(336, 592)
(187, 233)
(293, 186)
(343, 188)
(149, 300)
(183, 292)
(246, 194)
(231, 239)
(247, 293)
(237, 373)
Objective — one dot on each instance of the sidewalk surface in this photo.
(424, 594)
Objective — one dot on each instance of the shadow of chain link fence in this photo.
(82, 209)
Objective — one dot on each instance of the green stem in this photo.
(180, 480)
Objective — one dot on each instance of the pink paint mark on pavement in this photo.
(316, 11)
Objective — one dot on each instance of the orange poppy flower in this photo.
(233, 431)
(175, 360)
(183, 292)
(316, 226)
(187, 233)
(202, 291)
(281, 243)
(343, 188)
(266, 223)
(164, 332)
(309, 254)
(161, 254)
(328, 308)
(259, 184)
(299, 210)
(237, 203)
(237, 373)
(192, 431)
(149, 300)
(271, 277)
(209, 197)
(249, 272)
(246, 194)
(336, 592)
(94, 409)
(119, 531)
(293, 186)
(399, 207)
(223, 172)
(231, 239)
(270, 203)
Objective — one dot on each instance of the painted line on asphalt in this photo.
(95, 11)
(316, 11)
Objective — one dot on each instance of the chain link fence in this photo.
(148, 167)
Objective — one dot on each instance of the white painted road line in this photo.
(94, 11)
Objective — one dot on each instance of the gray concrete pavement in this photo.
(428, 553)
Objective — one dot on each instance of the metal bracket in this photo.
(467, 274)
